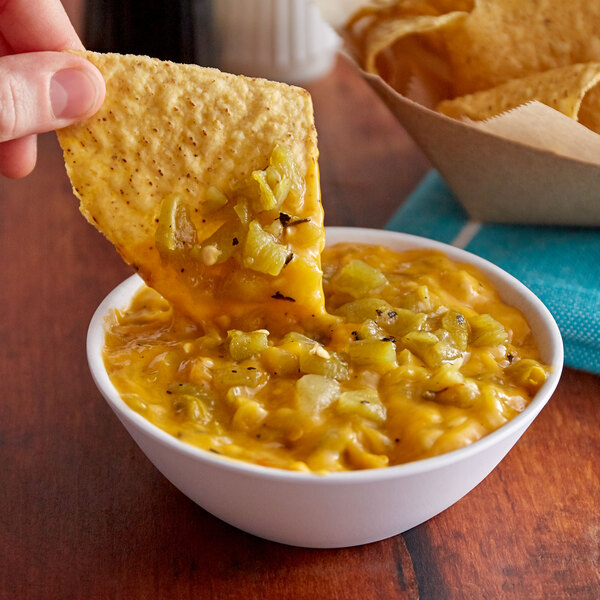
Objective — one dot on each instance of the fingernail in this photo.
(72, 93)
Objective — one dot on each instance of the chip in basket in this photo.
(563, 89)
(484, 57)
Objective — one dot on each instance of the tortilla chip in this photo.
(416, 59)
(589, 112)
(402, 41)
(562, 89)
(167, 129)
(511, 39)
(377, 26)
(384, 34)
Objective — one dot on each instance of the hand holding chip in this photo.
(41, 88)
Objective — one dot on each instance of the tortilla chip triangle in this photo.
(563, 89)
(207, 183)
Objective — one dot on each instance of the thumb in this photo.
(41, 91)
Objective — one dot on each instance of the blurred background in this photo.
(284, 40)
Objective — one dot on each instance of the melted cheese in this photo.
(420, 357)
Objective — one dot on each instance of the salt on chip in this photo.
(563, 89)
(168, 129)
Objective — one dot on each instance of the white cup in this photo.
(281, 40)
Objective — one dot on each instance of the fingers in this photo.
(27, 26)
(42, 91)
(39, 91)
(17, 157)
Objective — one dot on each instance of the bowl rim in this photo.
(95, 342)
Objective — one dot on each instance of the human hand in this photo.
(41, 88)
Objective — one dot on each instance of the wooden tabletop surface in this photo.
(83, 514)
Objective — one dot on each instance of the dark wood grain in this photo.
(83, 514)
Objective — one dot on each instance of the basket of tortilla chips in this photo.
(502, 95)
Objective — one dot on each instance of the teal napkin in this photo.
(561, 265)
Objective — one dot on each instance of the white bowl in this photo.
(340, 509)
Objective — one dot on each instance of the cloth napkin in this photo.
(561, 265)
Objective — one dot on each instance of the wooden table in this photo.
(83, 514)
